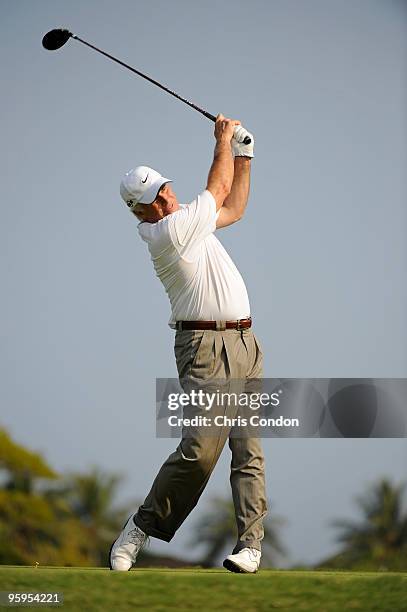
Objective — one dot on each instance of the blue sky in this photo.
(322, 247)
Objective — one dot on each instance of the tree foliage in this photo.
(379, 539)
(21, 466)
(69, 521)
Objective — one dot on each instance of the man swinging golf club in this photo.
(214, 339)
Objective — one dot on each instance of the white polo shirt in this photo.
(201, 280)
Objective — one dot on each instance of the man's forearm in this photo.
(220, 176)
(236, 201)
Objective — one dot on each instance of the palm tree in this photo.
(216, 529)
(380, 539)
(91, 498)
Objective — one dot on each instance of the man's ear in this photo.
(139, 211)
(137, 215)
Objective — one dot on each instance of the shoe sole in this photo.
(232, 567)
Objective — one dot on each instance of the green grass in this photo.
(159, 590)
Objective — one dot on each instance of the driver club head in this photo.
(55, 39)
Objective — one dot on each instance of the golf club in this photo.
(55, 39)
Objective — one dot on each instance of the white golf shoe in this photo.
(246, 561)
(125, 549)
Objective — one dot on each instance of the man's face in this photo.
(165, 203)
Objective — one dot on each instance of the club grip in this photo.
(246, 141)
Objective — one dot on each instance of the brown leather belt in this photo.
(215, 325)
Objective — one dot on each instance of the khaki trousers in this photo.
(235, 358)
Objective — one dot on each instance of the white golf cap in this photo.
(141, 185)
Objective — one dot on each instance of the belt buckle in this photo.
(239, 325)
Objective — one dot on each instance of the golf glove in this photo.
(238, 147)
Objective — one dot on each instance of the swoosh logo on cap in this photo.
(145, 178)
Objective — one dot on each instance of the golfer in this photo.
(213, 340)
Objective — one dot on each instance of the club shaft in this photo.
(145, 76)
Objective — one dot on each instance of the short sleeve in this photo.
(193, 222)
